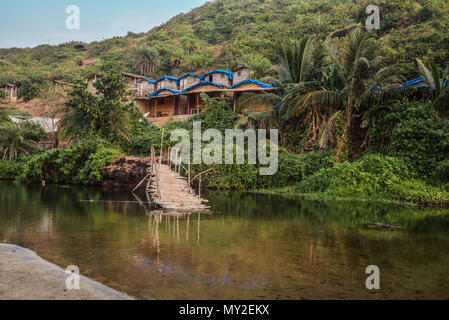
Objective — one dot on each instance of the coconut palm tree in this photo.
(16, 141)
(439, 86)
(301, 67)
(355, 76)
(189, 44)
(296, 66)
(147, 59)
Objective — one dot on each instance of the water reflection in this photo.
(252, 246)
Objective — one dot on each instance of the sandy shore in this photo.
(26, 276)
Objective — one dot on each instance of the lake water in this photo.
(250, 247)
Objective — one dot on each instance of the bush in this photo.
(9, 169)
(32, 87)
(411, 130)
(4, 117)
(2, 94)
(292, 169)
(142, 136)
(79, 164)
(373, 177)
(21, 139)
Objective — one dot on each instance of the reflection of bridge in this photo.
(171, 221)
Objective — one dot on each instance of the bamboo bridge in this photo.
(171, 191)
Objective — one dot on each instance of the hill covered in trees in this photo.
(228, 33)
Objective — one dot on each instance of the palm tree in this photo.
(147, 59)
(355, 76)
(14, 142)
(297, 65)
(189, 44)
(439, 85)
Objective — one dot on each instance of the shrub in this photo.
(79, 164)
(19, 139)
(142, 136)
(411, 130)
(2, 94)
(10, 169)
(32, 87)
(373, 177)
(291, 170)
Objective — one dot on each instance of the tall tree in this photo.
(147, 58)
(19, 139)
(359, 72)
(106, 114)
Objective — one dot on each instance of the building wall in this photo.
(144, 88)
(219, 78)
(167, 83)
(144, 105)
(11, 92)
(164, 106)
(240, 75)
(187, 82)
(206, 88)
(157, 106)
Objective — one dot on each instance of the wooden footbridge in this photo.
(169, 190)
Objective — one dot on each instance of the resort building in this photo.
(12, 90)
(91, 79)
(133, 80)
(178, 98)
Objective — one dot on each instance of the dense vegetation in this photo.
(345, 129)
(227, 33)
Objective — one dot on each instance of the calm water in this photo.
(251, 247)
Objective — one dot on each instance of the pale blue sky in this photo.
(28, 23)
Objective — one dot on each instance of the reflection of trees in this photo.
(252, 246)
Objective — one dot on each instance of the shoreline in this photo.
(288, 192)
(26, 276)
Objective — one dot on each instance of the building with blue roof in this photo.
(172, 97)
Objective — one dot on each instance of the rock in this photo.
(125, 172)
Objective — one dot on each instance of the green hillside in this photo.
(227, 33)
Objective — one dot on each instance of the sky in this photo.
(28, 23)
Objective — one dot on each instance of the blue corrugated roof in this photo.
(259, 83)
(203, 83)
(163, 89)
(185, 90)
(412, 82)
(148, 80)
(166, 77)
(188, 89)
(188, 74)
(228, 73)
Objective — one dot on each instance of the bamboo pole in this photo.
(188, 178)
(140, 183)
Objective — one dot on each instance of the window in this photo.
(211, 78)
(161, 101)
(239, 73)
